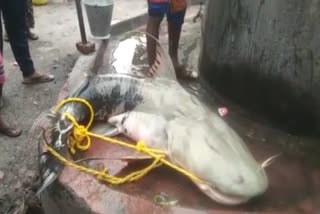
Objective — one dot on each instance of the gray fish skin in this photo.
(108, 94)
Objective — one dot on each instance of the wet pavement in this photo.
(294, 176)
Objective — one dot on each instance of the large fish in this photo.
(161, 112)
(109, 94)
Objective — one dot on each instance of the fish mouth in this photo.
(229, 199)
(222, 198)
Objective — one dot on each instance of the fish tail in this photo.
(49, 166)
(49, 169)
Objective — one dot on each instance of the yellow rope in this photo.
(81, 133)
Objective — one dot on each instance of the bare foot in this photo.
(182, 71)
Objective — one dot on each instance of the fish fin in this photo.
(150, 128)
(163, 66)
(135, 157)
(105, 129)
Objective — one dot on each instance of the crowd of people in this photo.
(18, 19)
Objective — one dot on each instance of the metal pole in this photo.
(99, 57)
(81, 23)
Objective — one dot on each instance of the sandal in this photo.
(42, 78)
(10, 132)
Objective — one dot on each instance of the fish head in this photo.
(218, 156)
(61, 128)
(235, 188)
(236, 175)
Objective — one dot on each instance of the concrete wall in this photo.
(265, 55)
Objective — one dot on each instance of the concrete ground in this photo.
(55, 51)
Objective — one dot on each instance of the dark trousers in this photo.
(14, 14)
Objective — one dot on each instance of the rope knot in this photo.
(79, 133)
(103, 174)
(141, 146)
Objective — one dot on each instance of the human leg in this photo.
(30, 21)
(175, 19)
(5, 36)
(1, 33)
(153, 29)
(14, 17)
(15, 24)
(174, 31)
(4, 128)
(2, 79)
(156, 11)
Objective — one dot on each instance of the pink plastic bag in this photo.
(223, 111)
